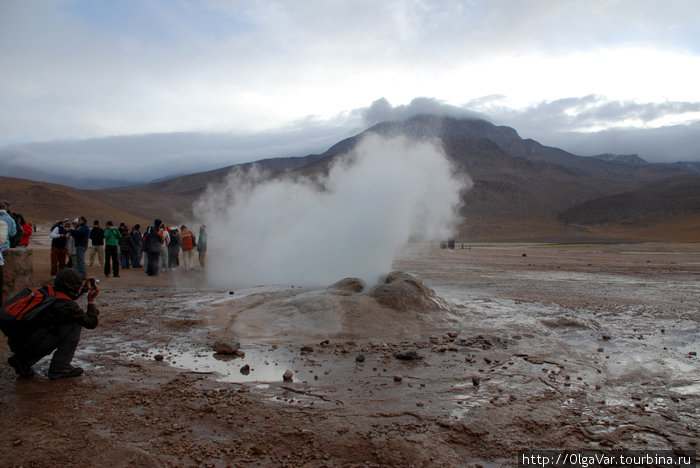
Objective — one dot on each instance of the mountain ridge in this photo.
(522, 189)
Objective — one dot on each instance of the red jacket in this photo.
(186, 239)
(26, 234)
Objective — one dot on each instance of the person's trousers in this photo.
(153, 263)
(126, 259)
(58, 260)
(188, 259)
(202, 258)
(136, 259)
(112, 258)
(164, 257)
(63, 339)
(80, 259)
(96, 251)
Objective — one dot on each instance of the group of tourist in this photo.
(15, 231)
(77, 245)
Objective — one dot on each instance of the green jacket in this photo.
(112, 236)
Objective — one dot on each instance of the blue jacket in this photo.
(81, 235)
(11, 228)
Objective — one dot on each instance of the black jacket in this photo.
(32, 333)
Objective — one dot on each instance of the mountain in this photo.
(522, 190)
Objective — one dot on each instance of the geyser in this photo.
(350, 223)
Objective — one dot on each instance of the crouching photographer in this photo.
(55, 329)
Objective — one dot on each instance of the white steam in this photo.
(297, 232)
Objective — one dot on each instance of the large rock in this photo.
(17, 272)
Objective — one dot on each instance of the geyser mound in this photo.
(404, 292)
(400, 307)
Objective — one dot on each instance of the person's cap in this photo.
(5, 205)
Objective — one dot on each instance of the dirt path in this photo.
(542, 347)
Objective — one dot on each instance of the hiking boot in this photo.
(65, 373)
(22, 369)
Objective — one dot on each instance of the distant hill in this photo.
(522, 189)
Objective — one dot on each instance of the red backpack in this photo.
(28, 303)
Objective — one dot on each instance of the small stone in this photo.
(476, 380)
(307, 349)
(231, 293)
(692, 353)
(360, 358)
(288, 376)
(226, 348)
(158, 357)
(600, 350)
(606, 337)
(398, 378)
(693, 442)
(407, 355)
(245, 370)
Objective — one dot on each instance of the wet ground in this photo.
(529, 346)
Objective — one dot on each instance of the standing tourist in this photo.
(138, 246)
(174, 250)
(188, 243)
(152, 244)
(112, 236)
(202, 245)
(27, 231)
(97, 237)
(165, 235)
(81, 236)
(58, 248)
(126, 246)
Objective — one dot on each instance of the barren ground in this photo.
(543, 346)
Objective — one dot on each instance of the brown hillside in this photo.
(43, 203)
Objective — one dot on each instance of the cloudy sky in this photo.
(162, 86)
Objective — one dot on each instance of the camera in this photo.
(93, 283)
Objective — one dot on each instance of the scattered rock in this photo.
(360, 358)
(324, 343)
(288, 376)
(307, 349)
(476, 380)
(398, 378)
(407, 355)
(245, 370)
(226, 348)
(692, 353)
(606, 337)
(231, 293)
(524, 254)
(158, 357)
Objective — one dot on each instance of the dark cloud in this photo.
(381, 110)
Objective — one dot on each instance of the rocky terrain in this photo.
(467, 357)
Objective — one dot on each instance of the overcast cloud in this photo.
(224, 81)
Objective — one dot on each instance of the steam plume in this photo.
(351, 224)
